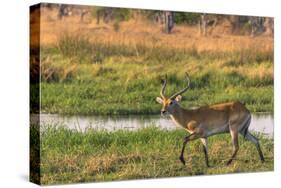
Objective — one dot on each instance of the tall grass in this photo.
(81, 47)
(69, 156)
(126, 79)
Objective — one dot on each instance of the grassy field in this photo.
(89, 68)
(69, 156)
(96, 78)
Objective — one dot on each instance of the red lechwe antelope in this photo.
(205, 121)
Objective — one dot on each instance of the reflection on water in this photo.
(261, 122)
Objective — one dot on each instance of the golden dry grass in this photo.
(141, 32)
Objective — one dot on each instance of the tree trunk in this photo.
(61, 11)
(235, 24)
(107, 15)
(203, 25)
(269, 26)
(83, 13)
(169, 21)
(257, 25)
(98, 16)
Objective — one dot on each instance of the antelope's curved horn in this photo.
(183, 90)
(162, 92)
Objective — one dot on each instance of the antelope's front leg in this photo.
(205, 150)
(190, 137)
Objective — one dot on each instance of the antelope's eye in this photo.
(170, 103)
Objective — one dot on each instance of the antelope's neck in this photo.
(179, 117)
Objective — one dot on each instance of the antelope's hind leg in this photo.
(255, 141)
(234, 137)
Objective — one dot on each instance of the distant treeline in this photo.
(251, 25)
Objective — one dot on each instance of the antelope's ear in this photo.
(159, 100)
(178, 98)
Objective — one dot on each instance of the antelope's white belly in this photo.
(219, 129)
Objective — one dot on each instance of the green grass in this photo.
(83, 77)
(115, 98)
(69, 156)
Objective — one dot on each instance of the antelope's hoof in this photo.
(182, 160)
(229, 162)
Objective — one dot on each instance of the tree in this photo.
(205, 21)
(169, 21)
(109, 14)
(269, 26)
